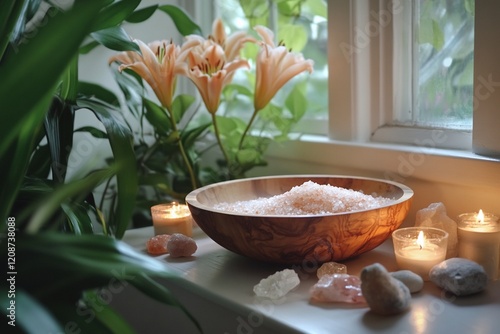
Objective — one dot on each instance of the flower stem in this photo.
(217, 136)
(194, 184)
(247, 128)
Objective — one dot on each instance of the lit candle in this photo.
(479, 240)
(172, 218)
(418, 249)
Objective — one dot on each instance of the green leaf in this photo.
(157, 117)
(89, 89)
(317, 7)
(180, 105)
(18, 155)
(294, 36)
(142, 14)
(10, 14)
(78, 218)
(114, 14)
(86, 48)
(40, 163)
(430, 32)
(94, 132)
(104, 313)
(35, 319)
(120, 139)
(115, 38)
(190, 136)
(132, 89)
(59, 124)
(296, 102)
(38, 56)
(52, 203)
(183, 22)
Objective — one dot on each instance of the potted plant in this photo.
(60, 250)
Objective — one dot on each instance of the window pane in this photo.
(445, 63)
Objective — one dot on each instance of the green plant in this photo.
(175, 135)
(54, 238)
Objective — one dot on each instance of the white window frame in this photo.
(372, 45)
(357, 140)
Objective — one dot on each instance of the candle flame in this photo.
(480, 217)
(421, 239)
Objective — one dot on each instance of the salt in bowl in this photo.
(296, 239)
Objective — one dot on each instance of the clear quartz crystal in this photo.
(330, 268)
(277, 285)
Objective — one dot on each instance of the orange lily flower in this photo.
(231, 44)
(275, 67)
(210, 71)
(159, 64)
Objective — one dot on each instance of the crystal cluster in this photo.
(277, 285)
(435, 216)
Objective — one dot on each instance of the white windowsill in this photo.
(391, 161)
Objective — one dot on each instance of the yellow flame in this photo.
(480, 216)
(421, 239)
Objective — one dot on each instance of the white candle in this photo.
(172, 218)
(418, 249)
(479, 240)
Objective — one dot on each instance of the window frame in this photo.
(366, 90)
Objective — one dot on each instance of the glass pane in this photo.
(303, 27)
(445, 63)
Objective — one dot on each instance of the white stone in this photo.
(459, 276)
(413, 282)
(277, 285)
(384, 294)
(435, 216)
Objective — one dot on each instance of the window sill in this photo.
(390, 161)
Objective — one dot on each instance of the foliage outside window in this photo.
(444, 63)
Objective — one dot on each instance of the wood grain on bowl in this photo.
(295, 239)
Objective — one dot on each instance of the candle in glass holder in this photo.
(479, 240)
(418, 249)
(172, 218)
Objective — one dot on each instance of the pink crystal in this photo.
(338, 288)
(330, 268)
(179, 245)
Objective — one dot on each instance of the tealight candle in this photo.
(418, 249)
(172, 218)
(479, 240)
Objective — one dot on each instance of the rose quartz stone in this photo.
(338, 288)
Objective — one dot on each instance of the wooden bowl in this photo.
(297, 239)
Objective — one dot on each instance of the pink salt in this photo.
(308, 198)
(157, 245)
(338, 288)
(179, 245)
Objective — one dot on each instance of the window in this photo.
(371, 45)
(384, 88)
